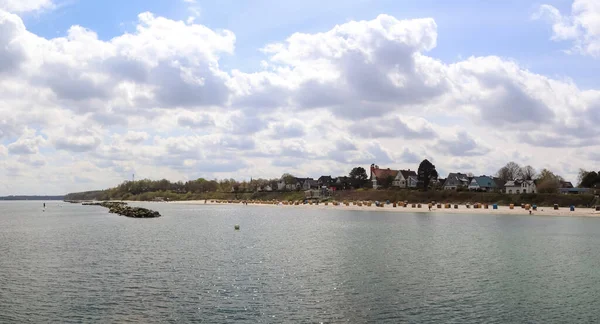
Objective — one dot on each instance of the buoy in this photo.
(236, 227)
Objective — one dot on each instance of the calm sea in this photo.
(79, 264)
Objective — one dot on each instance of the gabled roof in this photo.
(325, 179)
(408, 173)
(384, 173)
(456, 178)
(518, 183)
(485, 182)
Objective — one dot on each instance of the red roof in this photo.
(384, 173)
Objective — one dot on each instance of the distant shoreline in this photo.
(31, 198)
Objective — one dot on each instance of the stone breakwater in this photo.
(121, 208)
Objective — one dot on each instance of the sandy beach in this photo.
(462, 209)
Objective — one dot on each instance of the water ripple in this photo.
(75, 264)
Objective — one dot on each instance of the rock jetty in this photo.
(121, 208)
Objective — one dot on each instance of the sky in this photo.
(93, 92)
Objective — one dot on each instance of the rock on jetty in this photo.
(121, 208)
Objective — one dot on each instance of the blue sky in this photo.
(470, 85)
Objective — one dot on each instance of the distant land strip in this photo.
(32, 198)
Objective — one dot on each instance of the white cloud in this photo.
(156, 102)
(20, 6)
(29, 143)
(135, 137)
(461, 144)
(582, 26)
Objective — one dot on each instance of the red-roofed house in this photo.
(382, 176)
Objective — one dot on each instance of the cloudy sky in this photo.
(92, 92)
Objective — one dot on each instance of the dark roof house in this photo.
(456, 180)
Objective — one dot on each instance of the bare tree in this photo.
(528, 172)
(510, 171)
(548, 181)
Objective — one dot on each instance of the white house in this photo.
(520, 186)
(310, 184)
(405, 179)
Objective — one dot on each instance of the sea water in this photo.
(78, 264)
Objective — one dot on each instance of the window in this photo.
(518, 192)
(524, 190)
(510, 191)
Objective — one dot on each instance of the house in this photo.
(325, 181)
(456, 180)
(482, 183)
(405, 179)
(342, 183)
(310, 183)
(291, 184)
(296, 184)
(381, 176)
(519, 186)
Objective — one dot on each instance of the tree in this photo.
(548, 182)
(426, 173)
(358, 176)
(510, 171)
(590, 180)
(580, 176)
(288, 178)
(528, 172)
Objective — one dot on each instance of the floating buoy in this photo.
(236, 227)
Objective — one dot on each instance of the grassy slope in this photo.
(380, 195)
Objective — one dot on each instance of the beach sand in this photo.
(462, 209)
